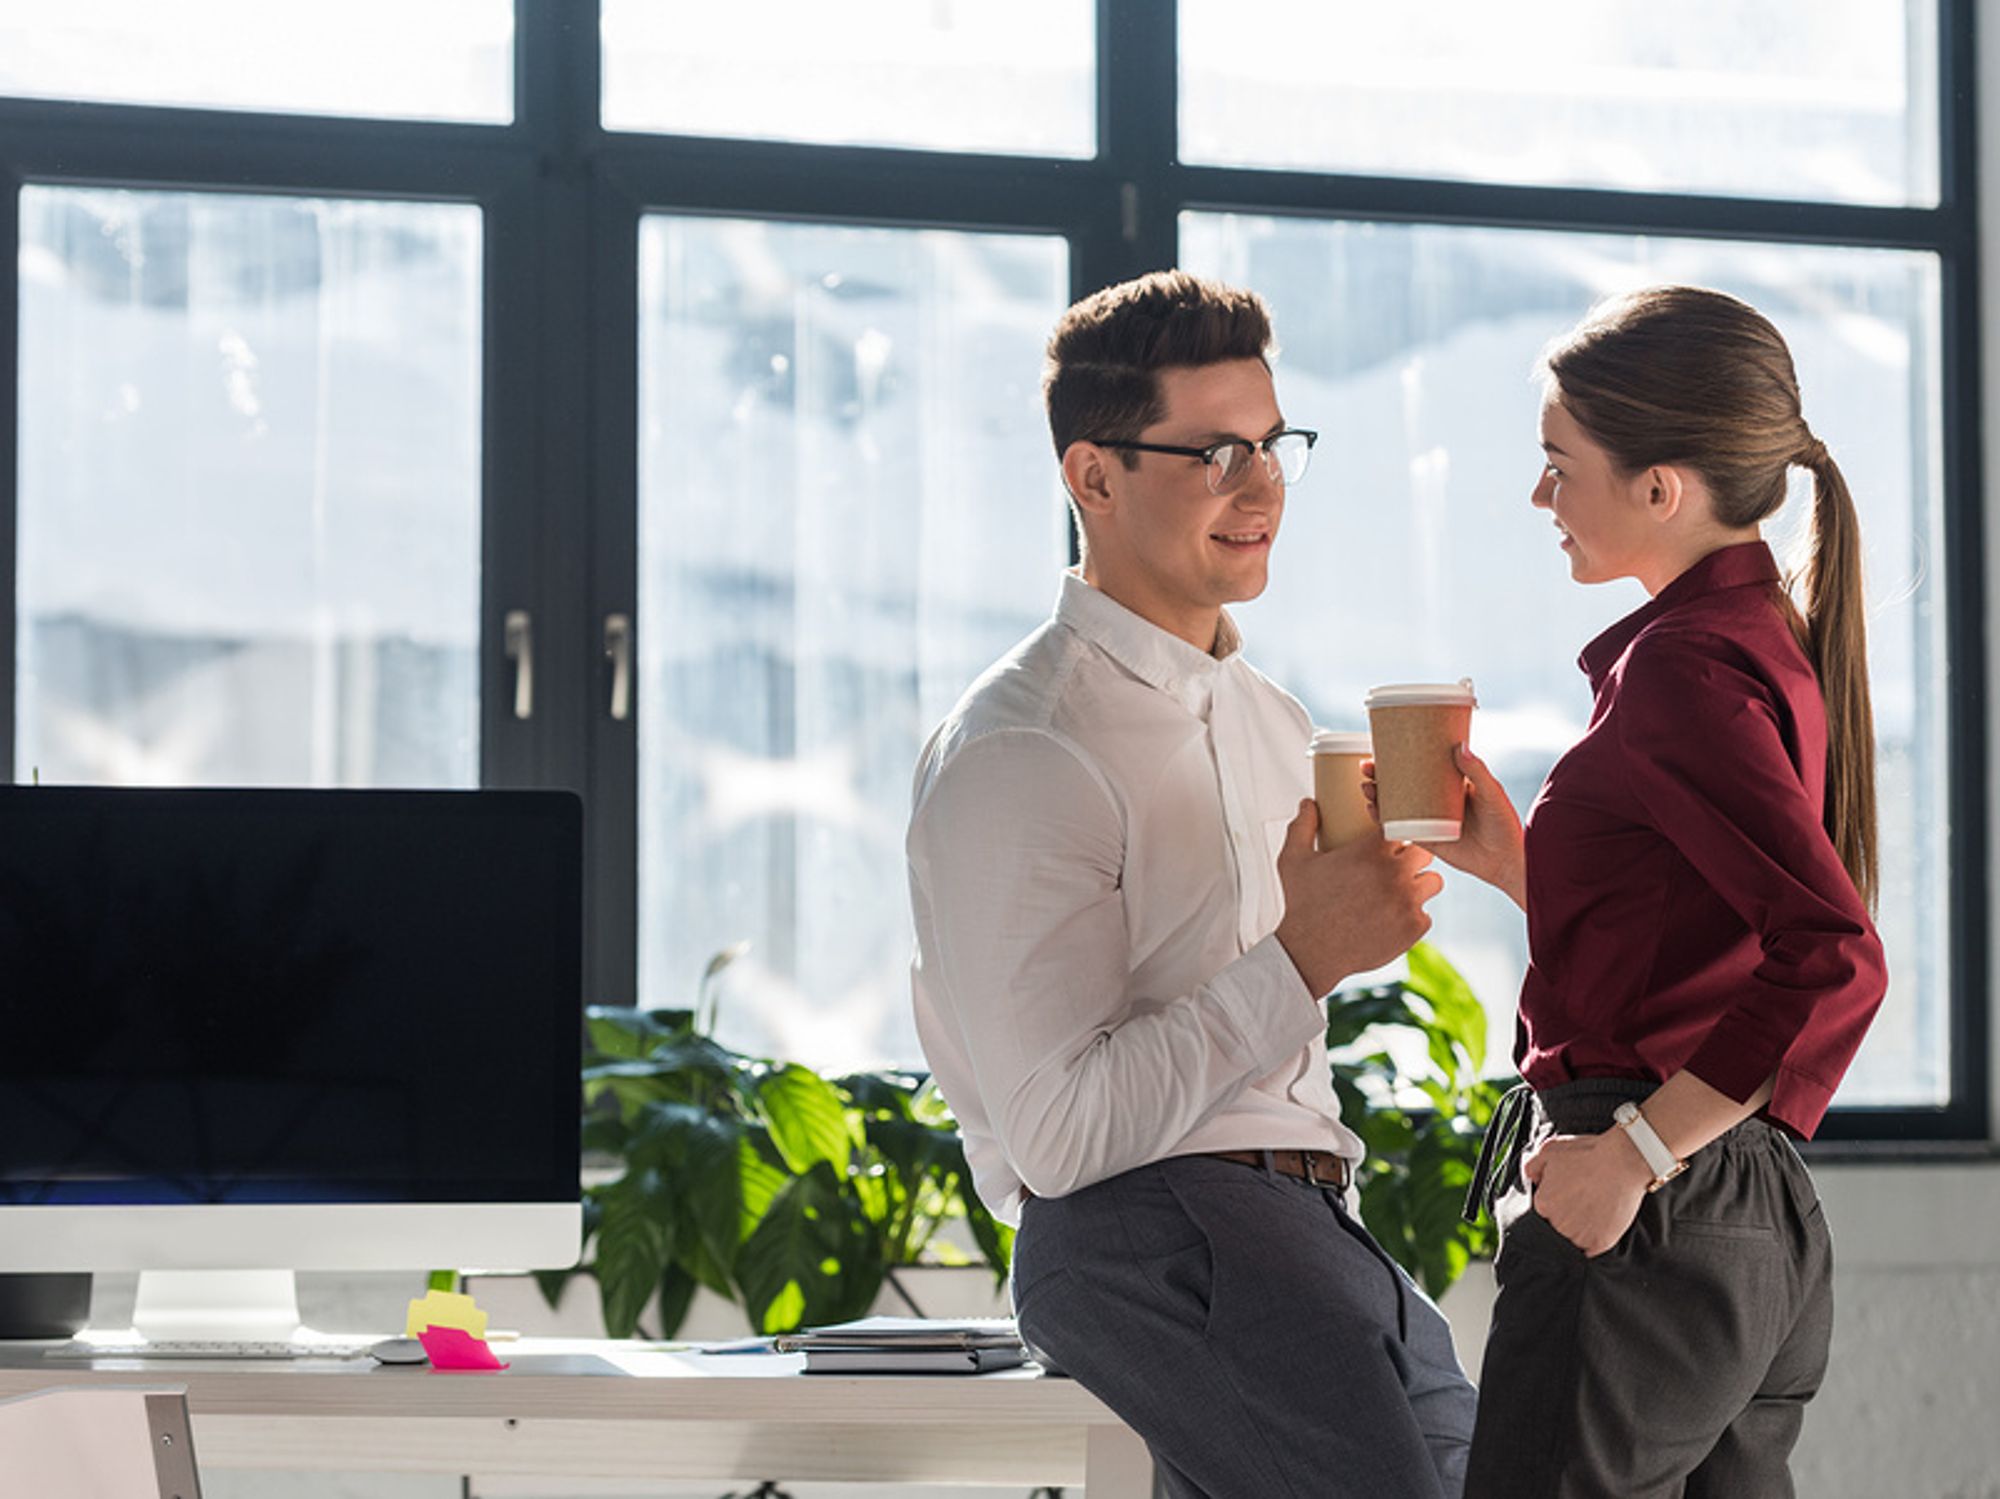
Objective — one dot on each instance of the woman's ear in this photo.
(1086, 475)
(1664, 489)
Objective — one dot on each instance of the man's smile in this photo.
(1250, 539)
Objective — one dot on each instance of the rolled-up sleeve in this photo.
(1016, 854)
(1706, 757)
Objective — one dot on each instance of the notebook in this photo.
(908, 1345)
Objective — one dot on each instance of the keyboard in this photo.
(215, 1348)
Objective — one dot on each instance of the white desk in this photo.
(577, 1409)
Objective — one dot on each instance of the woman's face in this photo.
(1607, 530)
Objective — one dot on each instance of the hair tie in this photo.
(1813, 455)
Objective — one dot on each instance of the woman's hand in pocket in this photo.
(1588, 1187)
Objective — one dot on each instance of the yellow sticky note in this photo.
(444, 1309)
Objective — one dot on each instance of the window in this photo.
(1834, 102)
(950, 75)
(581, 398)
(442, 60)
(248, 516)
(834, 539)
(1413, 357)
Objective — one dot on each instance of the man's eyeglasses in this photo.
(1285, 456)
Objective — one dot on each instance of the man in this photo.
(1124, 935)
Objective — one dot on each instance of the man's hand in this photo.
(1353, 908)
(1589, 1187)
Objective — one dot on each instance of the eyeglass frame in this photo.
(1260, 445)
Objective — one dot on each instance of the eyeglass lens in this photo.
(1286, 456)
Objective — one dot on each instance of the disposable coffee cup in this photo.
(1343, 810)
(1416, 727)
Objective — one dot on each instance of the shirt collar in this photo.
(1155, 656)
(1747, 564)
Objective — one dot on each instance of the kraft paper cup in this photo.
(1416, 726)
(1343, 810)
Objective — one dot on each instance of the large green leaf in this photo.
(677, 1289)
(813, 1259)
(1385, 1212)
(808, 1121)
(696, 1153)
(994, 1238)
(693, 1257)
(915, 1150)
(552, 1283)
(760, 1176)
(635, 1243)
(631, 1085)
(876, 1194)
(891, 1093)
(929, 1107)
(605, 1134)
(1455, 1009)
(619, 1034)
(1353, 1012)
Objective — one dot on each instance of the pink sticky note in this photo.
(455, 1348)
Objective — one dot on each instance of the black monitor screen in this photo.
(289, 996)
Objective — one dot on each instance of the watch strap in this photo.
(1661, 1161)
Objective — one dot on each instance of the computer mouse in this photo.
(398, 1351)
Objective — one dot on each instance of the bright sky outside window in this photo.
(946, 75)
(427, 60)
(1831, 100)
(249, 520)
(848, 509)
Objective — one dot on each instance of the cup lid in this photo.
(1423, 694)
(1340, 742)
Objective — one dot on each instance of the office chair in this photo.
(98, 1443)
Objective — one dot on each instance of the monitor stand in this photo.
(237, 1305)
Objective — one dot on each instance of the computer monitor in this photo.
(267, 1031)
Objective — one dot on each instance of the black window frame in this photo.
(563, 199)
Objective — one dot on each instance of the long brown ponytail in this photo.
(1837, 641)
(1684, 375)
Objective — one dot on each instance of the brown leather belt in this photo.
(1320, 1167)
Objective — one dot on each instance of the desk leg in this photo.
(1116, 1464)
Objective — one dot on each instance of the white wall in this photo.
(1911, 1406)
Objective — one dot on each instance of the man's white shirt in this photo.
(1093, 873)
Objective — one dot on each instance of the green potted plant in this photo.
(1422, 1126)
(798, 1195)
(792, 1193)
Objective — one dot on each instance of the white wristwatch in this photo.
(1662, 1162)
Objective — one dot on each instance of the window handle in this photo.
(520, 645)
(618, 651)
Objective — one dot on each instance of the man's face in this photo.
(1181, 549)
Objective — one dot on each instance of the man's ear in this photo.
(1664, 489)
(1087, 477)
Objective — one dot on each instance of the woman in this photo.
(1697, 874)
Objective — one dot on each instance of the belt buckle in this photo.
(1310, 1171)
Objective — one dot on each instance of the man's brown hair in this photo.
(1104, 358)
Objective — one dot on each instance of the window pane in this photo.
(1411, 347)
(948, 75)
(438, 60)
(1818, 99)
(848, 509)
(249, 514)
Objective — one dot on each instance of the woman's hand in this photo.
(1488, 846)
(1589, 1187)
